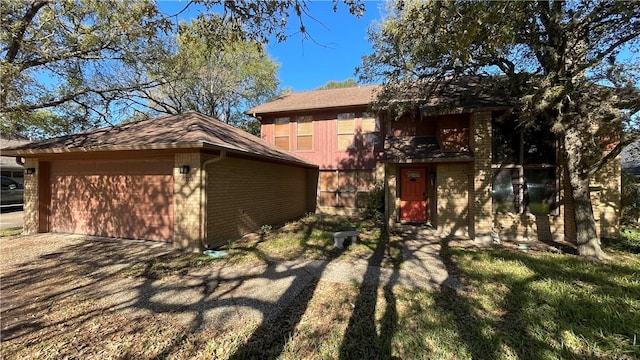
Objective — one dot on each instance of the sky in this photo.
(339, 42)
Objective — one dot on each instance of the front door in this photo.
(413, 199)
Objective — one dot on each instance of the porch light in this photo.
(30, 171)
(184, 169)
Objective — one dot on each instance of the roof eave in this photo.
(300, 109)
(160, 146)
(260, 156)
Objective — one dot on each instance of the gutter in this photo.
(204, 197)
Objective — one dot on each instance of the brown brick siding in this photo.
(243, 195)
(605, 197)
(31, 198)
(453, 188)
(480, 195)
(186, 202)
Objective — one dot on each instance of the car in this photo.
(11, 193)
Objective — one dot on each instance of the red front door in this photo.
(413, 200)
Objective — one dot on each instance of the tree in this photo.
(332, 84)
(74, 56)
(572, 66)
(219, 82)
(80, 59)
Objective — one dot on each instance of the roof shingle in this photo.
(318, 99)
(187, 130)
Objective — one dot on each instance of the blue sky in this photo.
(340, 42)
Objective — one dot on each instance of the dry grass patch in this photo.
(312, 238)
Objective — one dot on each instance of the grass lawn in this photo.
(513, 305)
(10, 231)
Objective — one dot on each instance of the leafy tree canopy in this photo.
(573, 65)
(83, 61)
(201, 76)
(332, 84)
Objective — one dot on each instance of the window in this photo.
(305, 133)
(281, 133)
(524, 169)
(346, 130)
(370, 129)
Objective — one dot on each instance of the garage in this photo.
(187, 179)
(116, 198)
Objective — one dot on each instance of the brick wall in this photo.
(392, 196)
(243, 195)
(605, 197)
(453, 189)
(31, 197)
(480, 196)
(186, 202)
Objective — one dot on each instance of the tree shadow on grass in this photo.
(361, 339)
(540, 304)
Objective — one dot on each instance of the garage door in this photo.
(115, 198)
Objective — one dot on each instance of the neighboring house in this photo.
(468, 170)
(8, 165)
(630, 159)
(188, 179)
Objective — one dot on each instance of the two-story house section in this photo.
(459, 162)
(334, 130)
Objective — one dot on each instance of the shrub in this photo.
(374, 203)
(630, 199)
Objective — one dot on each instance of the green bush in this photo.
(630, 199)
(374, 203)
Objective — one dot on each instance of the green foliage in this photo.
(551, 59)
(332, 84)
(74, 57)
(266, 229)
(374, 203)
(630, 199)
(88, 61)
(252, 127)
(219, 81)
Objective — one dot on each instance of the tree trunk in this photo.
(586, 237)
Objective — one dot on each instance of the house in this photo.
(187, 179)
(459, 163)
(630, 159)
(8, 165)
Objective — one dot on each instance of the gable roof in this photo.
(318, 99)
(187, 130)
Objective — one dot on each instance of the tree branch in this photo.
(612, 154)
(18, 36)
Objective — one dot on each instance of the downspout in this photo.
(204, 198)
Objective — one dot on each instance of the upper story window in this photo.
(370, 127)
(346, 130)
(525, 175)
(304, 133)
(281, 133)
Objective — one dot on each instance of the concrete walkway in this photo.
(56, 266)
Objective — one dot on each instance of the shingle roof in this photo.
(318, 99)
(187, 130)
(410, 148)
